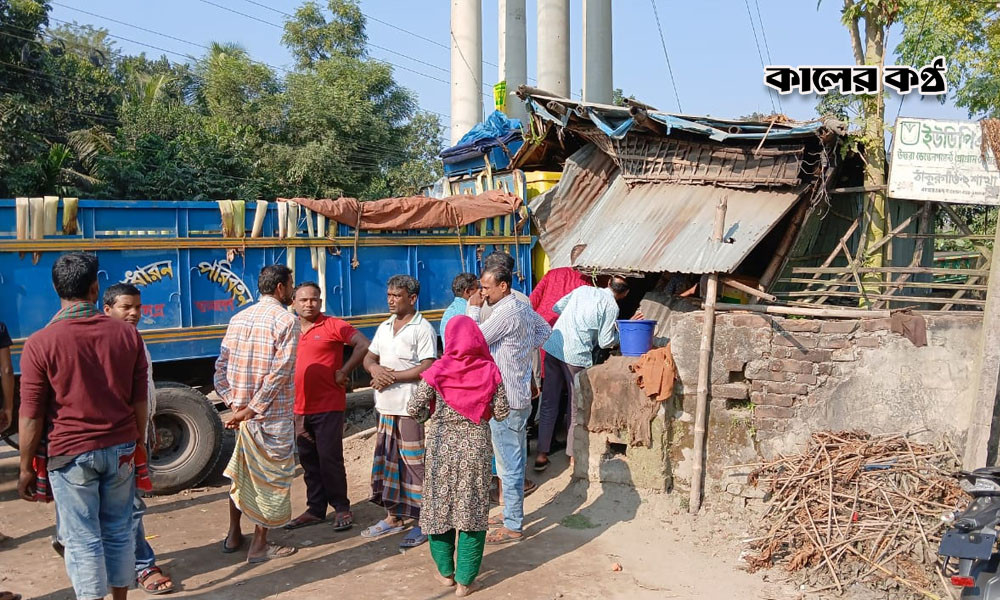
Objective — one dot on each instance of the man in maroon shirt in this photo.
(84, 383)
(320, 401)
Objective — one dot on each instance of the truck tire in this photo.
(188, 436)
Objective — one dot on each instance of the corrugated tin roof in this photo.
(617, 121)
(650, 227)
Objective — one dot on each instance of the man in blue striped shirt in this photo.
(513, 331)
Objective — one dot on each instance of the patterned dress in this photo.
(457, 477)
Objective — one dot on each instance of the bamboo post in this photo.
(705, 368)
(781, 254)
(978, 442)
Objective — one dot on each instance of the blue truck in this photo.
(196, 264)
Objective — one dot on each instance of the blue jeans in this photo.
(144, 557)
(94, 495)
(510, 447)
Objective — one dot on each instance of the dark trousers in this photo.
(558, 379)
(320, 439)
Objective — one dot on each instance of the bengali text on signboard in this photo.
(941, 161)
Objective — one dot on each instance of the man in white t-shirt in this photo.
(402, 348)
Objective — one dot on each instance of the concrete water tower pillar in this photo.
(466, 66)
(513, 51)
(553, 46)
(597, 74)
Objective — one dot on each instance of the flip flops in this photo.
(299, 522)
(413, 538)
(503, 535)
(227, 550)
(343, 521)
(380, 529)
(273, 551)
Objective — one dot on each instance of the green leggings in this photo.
(470, 554)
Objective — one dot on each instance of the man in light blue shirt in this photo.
(463, 286)
(587, 318)
(513, 331)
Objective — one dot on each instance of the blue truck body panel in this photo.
(193, 279)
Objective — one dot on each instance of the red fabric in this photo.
(321, 353)
(414, 212)
(466, 376)
(553, 286)
(82, 375)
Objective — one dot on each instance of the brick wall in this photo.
(790, 377)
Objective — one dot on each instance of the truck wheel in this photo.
(188, 438)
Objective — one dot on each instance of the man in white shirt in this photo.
(403, 347)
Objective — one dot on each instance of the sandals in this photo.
(494, 522)
(343, 521)
(503, 535)
(153, 587)
(273, 551)
(226, 549)
(413, 538)
(9, 596)
(306, 519)
(541, 465)
(380, 529)
(530, 487)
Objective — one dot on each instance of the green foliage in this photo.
(79, 117)
(967, 34)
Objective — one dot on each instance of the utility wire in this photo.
(370, 18)
(767, 48)
(666, 55)
(770, 92)
(276, 68)
(194, 59)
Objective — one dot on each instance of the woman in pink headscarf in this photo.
(457, 396)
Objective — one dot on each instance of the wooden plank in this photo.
(860, 189)
(913, 270)
(921, 299)
(803, 311)
(913, 284)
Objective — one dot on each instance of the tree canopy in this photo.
(79, 117)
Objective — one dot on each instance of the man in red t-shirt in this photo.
(321, 377)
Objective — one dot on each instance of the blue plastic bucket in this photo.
(636, 336)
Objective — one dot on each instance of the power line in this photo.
(666, 55)
(753, 28)
(375, 19)
(194, 59)
(767, 48)
(188, 56)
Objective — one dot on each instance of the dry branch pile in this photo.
(858, 508)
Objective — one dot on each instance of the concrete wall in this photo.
(776, 380)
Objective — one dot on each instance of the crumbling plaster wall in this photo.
(784, 378)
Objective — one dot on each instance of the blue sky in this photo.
(711, 45)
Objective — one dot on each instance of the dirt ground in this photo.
(575, 534)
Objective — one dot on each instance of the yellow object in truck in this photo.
(539, 182)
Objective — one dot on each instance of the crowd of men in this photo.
(87, 394)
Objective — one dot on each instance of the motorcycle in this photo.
(972, 535)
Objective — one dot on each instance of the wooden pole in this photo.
(705, 368)
(987, 376)
(791, 234)
(736, 285)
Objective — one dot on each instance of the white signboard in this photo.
(940, 161)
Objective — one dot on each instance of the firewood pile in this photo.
(857, 508)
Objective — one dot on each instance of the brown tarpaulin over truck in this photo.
(413, 212)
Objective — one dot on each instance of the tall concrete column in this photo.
(553, 46)
(597, 77)
(466, 66)
(513, 52)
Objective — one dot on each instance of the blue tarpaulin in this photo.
(498, 136)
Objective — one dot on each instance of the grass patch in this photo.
(577, 521)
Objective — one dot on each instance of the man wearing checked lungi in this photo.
(254, 376)
(404, 346)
